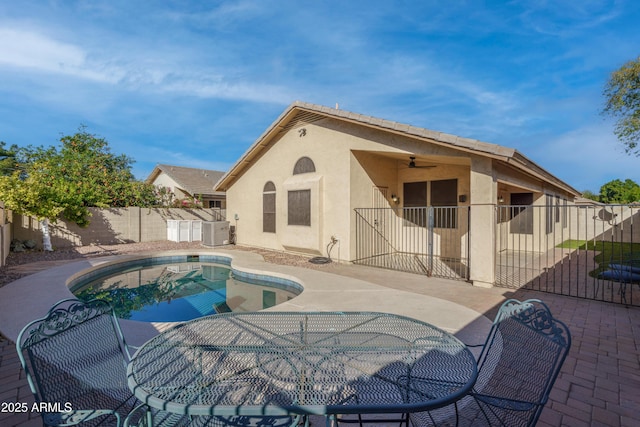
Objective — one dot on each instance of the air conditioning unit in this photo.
(215, 233)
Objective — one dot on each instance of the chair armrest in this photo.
(138, 417)
(435, 384)
(129, 352)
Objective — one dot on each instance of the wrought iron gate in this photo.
(428, 240)
(588, 252)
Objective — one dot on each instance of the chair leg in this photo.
(403, 421)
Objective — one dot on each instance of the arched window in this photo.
(304, 165)
(269, 208)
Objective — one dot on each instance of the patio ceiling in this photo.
(420, 159)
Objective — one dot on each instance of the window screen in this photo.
(415, 194)
(269, 208)
(304, 165)
(415, 201)
(444, 192)
(521, 213)
(444, 199)
(549, 213)
(299, 209)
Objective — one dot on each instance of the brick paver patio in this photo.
(599, 384)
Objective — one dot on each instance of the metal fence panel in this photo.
(426, 240)
(590, 252)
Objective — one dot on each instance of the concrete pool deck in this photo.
(322, 292)
(598, 384)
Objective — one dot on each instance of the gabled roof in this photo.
(305, 112)
(192, 180)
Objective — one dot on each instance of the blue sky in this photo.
(194, 83)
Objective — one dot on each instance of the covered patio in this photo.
(377, 190)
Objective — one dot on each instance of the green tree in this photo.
(82, 173)
(622, 93)
(8, 159)
(617, 191)
(588, 194)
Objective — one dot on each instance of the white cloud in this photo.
(222, 89)
(558, 18)
(221, 16)
(26, 49)
(33, 51)
(36, 52)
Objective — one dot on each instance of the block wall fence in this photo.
(110, 226)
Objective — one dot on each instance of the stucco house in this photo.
(369, 189)
(190, 183)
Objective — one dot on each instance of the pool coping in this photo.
(31, 297)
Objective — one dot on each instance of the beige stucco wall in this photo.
(330, 193)
(482, 223)
(361, 167)
(584, 223)
(371, 171)
(164, 180)
(343, 180)
(510, 181)
(351, 162)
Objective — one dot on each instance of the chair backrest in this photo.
(76, 354)
(520, 361)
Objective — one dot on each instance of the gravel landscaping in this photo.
(20, 264)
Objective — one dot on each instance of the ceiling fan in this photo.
(412, 164)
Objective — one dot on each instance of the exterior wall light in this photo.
(395, 199)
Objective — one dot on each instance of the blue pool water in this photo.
(181, 288)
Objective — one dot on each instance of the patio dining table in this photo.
(284, 363)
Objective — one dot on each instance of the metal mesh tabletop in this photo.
(271, 363)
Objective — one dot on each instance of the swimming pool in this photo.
(181, 288)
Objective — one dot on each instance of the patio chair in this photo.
(519, 363)
(75, 360)
(623, 269)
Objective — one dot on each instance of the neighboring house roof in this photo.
(193, 181)
(586, 202)
(303, 112)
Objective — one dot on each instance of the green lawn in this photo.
(614, 252)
